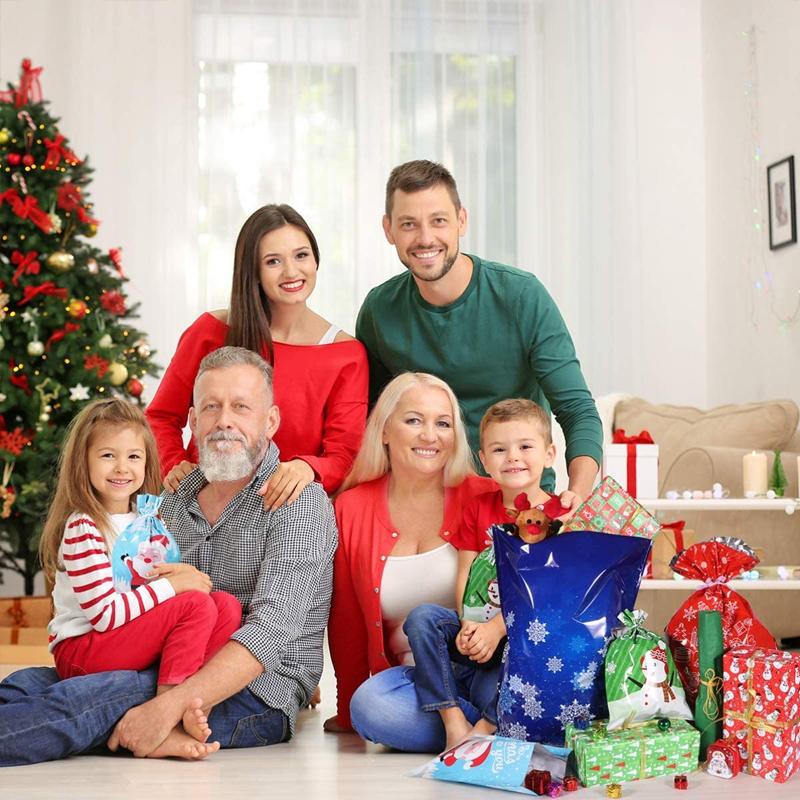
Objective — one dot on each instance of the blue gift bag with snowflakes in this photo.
(560, 600)
(144, 544)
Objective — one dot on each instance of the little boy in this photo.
(449, 646)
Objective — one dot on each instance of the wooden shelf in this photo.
(737, 585)
(786, 504)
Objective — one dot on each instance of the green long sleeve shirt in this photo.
(503, 337)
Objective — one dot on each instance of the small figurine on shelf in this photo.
(777, 478)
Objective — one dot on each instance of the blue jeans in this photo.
(43, 718)
(442, 675)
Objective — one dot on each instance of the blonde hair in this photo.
(518, 408)
(74, 491)
(372, 460)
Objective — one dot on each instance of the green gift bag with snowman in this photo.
(641, 681)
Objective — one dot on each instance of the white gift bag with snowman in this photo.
(641, 680)
(143, 545)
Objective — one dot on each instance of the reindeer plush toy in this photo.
(533, 525)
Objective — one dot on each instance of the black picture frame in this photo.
(781, 202)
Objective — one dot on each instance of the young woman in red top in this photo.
(403, 502)
(320, 372)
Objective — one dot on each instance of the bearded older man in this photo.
(277, 563)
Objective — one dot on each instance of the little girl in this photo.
(108, 456)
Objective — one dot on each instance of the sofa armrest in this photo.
(702, 466)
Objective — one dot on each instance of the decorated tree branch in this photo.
(65, 332)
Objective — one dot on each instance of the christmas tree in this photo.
(64, 331)
(777, 479)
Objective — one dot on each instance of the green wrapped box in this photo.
(642, 751)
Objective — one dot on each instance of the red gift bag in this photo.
(715, 563)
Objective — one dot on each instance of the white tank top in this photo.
(409, 581)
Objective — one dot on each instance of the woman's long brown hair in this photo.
(74, 491)
(249, 316)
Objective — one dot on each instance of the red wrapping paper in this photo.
(715, 563)
(761, 698)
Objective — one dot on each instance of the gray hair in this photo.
(228, 356)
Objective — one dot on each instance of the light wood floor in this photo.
(314, 766)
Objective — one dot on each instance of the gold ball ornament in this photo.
(117, 373)
(92, 266)
(61, 261)
(91, 229)
(35, 348)
(5, 135)
(77, 309)
(143, 350)
(105, 341)
(44, 417)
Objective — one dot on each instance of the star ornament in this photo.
(79, 392)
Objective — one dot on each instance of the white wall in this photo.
(751, 355)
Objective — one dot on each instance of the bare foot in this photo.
(316, 698)
(195, 721)
(456, 726)
(179, 744)
(483, 728)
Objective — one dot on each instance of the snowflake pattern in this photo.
(505, 702)
(509, 619)
(533, 708)
(537, 631)
(611, 667)
(530, 691)
(515, 684)
(576, 644)
(554, 664)
(574, 712)
(689, 614)
(584, 679)
(514, 730)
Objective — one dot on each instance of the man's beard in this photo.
(232, 465)
(430, 277)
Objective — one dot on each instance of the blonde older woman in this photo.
(400, 505)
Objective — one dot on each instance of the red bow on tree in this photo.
(96, 362)
(27, 209)
(58, 334)
(26, 265)
(115, 254)
(46, 288)
(642, 438)
(69, 198)
(13, 441)
(20, 381)
(29, 88)
(56, 151)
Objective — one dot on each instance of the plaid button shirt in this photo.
(278, 564)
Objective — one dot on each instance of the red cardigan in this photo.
(321, 391)
(366, 538)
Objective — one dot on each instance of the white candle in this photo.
(754, 473)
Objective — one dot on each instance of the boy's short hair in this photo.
(518, 408)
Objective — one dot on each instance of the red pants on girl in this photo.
(184, 632)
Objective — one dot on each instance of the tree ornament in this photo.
(3, 397)
(78, 393)
(77, 309)
(777, 479)
(5, 135)
(117, 373)
(60, 260)
(91, 230)
(143, 349)
(105, 341)
(35, 348)
(44, 417)
(92, 266)
(56, 222)
(2, 342)
(28, 160)
(14, 159)
(135, 387)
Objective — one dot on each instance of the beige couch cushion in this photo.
(752, 426)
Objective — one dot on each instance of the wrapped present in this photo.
(632, 461)
(723, 760)
(144, 544)
(673, 538)
(762, 710)
(25, 612)
(560, 600)
(630, 754)
(641, 681)
(611, 509)
(714, 562)
(498, 762)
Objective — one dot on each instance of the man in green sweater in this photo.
(489, 330)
